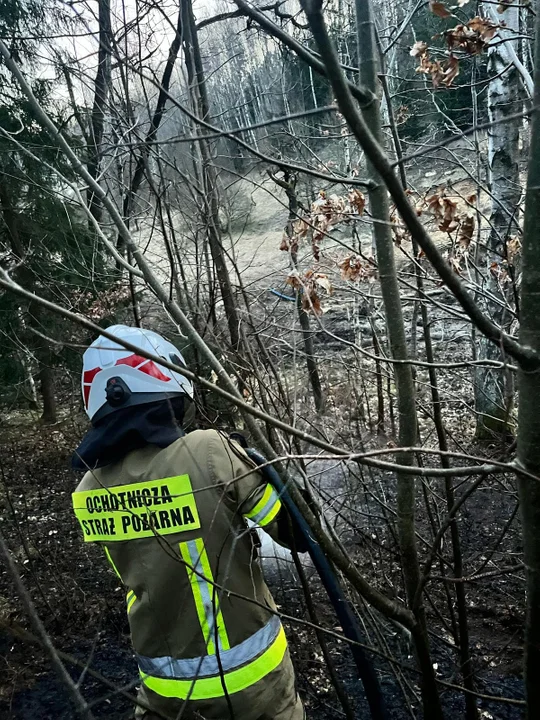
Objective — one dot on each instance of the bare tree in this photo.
(99, 109)
(494, 390)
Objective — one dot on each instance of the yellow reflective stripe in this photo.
(212, 592)
(130, 599)
(266, 509)
(213, 687)
(111, 561)
(262, 502)
(271, 515)
(197, 596)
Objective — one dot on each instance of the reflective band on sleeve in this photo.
(266, 509)
(130, 599)
(205, 596)
(138, 510)
(213, 687)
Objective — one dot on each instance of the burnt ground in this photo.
(82, 607)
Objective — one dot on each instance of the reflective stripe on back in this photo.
(209, 665)
(205, 595)
(234, 681)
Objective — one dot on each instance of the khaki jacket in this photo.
(173, 525)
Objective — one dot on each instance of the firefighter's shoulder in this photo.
(214, 441)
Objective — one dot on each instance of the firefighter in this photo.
(170, 511)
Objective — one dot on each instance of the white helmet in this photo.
(114, 378)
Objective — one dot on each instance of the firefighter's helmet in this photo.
(115, 378)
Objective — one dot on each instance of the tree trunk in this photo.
(494, 387)
(142, 159)
(47, 389)
(25, 275)
(461, 629)
(101, 92)
(289, 185)
(25, 360)
(529, 394)
(408, 425)
(210, 210)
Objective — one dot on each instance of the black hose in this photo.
(344, 611)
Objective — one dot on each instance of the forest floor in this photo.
(82, 607)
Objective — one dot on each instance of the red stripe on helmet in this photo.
(89, 375)
(149, 367)
(153, 370)
(131, 360)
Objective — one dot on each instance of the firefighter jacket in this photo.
(172, 522)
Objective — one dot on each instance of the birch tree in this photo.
(494, 390)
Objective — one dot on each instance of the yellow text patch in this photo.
(140, 510)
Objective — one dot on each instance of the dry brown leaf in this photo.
(419, 48)
(473, 37)
(513, 248)
(309, 285)
(445, 211)
(358, 201)
(300, 227)
(483, 27)
(322, 280)
(499, 272)
(399, 230)
(450, 221)
(402, 114)
(435, 206)
(351, 268)
(311, 302)
(451, 71)
(284, 243)
(293, 279)
(439, 9)
(466, 231)
(441, 73)
(354, 269)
